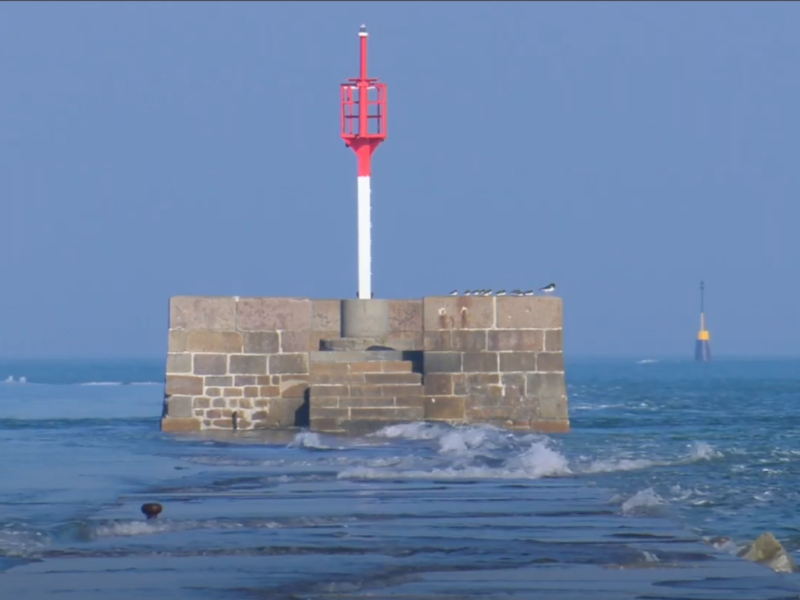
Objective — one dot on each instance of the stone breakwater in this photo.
(273, 363)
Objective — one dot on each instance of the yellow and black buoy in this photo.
(702, 349)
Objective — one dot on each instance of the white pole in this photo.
(364, 240)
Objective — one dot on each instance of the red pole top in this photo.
(363, 35)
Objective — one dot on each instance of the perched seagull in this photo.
(454, 293)
(501, 293)
(528, 293)
(549, 288)
(516, 292)
(487, 292)
(468, 292)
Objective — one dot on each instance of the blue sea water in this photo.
(663, 453)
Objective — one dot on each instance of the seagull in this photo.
(516, 292)
(487, 292)
(528, 293)
(501, 293)
(454, 293)
(549, 288)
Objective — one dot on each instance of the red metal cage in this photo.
(363, 110)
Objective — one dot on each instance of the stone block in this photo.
(180, 407)
(177, 340)
(545, 426)
(202, 312)
(216, 381)
(365, 367)
(179, 363)
(224, 423)
(444, 408)
(416, 401)
(331, 368)
(442, 362)
(213, 391)
(261, 342)
(480, 362)
(202, 402)
(223, 342)
(405, 316)
(326, 425)
(219, 403)
(554, 340)
(529, 312)
(388, 414)
(549, 362)
(274, 314)
(214, 413)
(367, 402)
(513, 385)
(361, 391)
(315, 339)
(482, 379)
(439, 384)
(329, 413)
(248, 402)
(332, 402)
(460, 387)
(326, 316)
(280, 364)
(210, 364)
(407, 378)
(545, 386)
(184, 385)
(396, 366)
(553, 408)
(173, 425)
(269, 391)
(243, 380)
(517, 361)
(458, 312)
(294, 341)
(346, 378)
(468, 341)
(322, 391)
(232, 392)
(287, 412)
(531, 340)
(292, 387)
(247, 364)
(405, 340)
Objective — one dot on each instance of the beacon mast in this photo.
(702, 348)
(363, 129)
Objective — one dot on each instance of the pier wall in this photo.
(256, 363)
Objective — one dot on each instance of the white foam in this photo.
(309, 440)
(641, 501)
(647, 361)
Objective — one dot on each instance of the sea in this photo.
(671, 468)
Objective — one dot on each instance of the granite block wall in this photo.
(495, 360)
(239, 362)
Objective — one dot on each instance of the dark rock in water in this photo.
(152, 509)
(768, 551)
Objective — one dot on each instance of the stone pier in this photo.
(262, 363)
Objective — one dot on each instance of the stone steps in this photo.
(351, 392)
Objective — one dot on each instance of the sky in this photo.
(624, 151)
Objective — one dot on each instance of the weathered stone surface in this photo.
(513, 385)
(292, 387)
(202, 402)
(547, 362)
(409, 378)
(389, 414)
(247, 364)
(315, 339)
(443, 408)
(554, 340)
(173, 425)
(219, 403)
(545, 385)
(269, 391)
(544, 426)
(468, 341)
(294, 341)
(287, 412)
(367, 402)
(274, 314)
(216, 381)
(458, 312)
(517, 340)
(517, 361)
(261, 342)
(184, 385)
(202, 312)
(177, 340)
(405, 340)
(396, 366)
(321, 391)
(442, 362)
(233, 392)
(243, 380)
(329, 413)
(210, 364)
(280, 364)
(326, 425)
(326, 315)
(439, 384)
(180, 407)
(405, 315)
(476, 362)
(222, 342)
(179, 363)
(529, 312)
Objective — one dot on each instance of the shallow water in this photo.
(660, 453)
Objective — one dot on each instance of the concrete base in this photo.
(365, 318)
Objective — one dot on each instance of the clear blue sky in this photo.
(624, 151)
